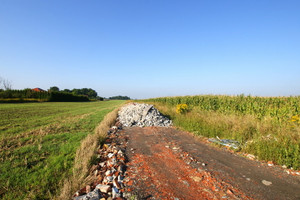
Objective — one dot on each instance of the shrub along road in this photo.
(165, 163)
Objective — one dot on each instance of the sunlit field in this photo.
(38, 144)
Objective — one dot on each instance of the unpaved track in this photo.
(165, 163)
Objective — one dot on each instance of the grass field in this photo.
(38, 142)
(266, 127)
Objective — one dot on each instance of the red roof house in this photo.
(38, 90)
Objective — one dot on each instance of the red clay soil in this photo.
(165, 163)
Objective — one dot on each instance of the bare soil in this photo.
(165, 163)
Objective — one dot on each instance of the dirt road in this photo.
(165, 163)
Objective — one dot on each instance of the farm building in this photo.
(38, 90)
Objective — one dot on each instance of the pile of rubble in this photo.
(136, 114)
(108, 171)
(109, 166)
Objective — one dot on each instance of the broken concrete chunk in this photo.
(108, 172)
(250, 156)
(116, 184)
(226, 142)
(115, 192)
(110, 155)
(104, 188)
(94, 195)
(270, 163)
(80, 197)
(109, 178)
(267, 183)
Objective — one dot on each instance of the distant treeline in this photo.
(90, 93)
(119, 98)
(31, 95)
(53, 94)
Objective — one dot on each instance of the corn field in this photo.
(281, 109)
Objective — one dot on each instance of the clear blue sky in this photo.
(150, 48)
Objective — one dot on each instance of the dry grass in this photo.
(83, 156)
(264, 138)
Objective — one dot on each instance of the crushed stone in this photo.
(142, 115)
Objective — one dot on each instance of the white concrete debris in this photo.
(140, 114)
(267, 183)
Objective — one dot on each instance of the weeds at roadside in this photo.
(277, 142)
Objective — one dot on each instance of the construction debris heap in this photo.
(137, 114)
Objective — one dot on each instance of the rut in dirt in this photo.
(165, 163)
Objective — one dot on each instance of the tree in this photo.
(54, 89)
(67, 91)
(76, 92)
(92, 93)
(99, 98)
(85, 91)
(120, 97)
(5, 84)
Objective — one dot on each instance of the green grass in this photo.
(264, 126)
(38, 144)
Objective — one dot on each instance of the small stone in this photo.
(109, 178)
(250, 156)
(102, 164)
(284, 166)
(110, 155)
(120, 152)
(229, 191)
(186, 183)
(203, 164)
(115, 192)
(116, 184)
(103, 188)
(88, 188)
(83, 197)
(267, 183)
(108, 172)
(196, 178)
(94, 195)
